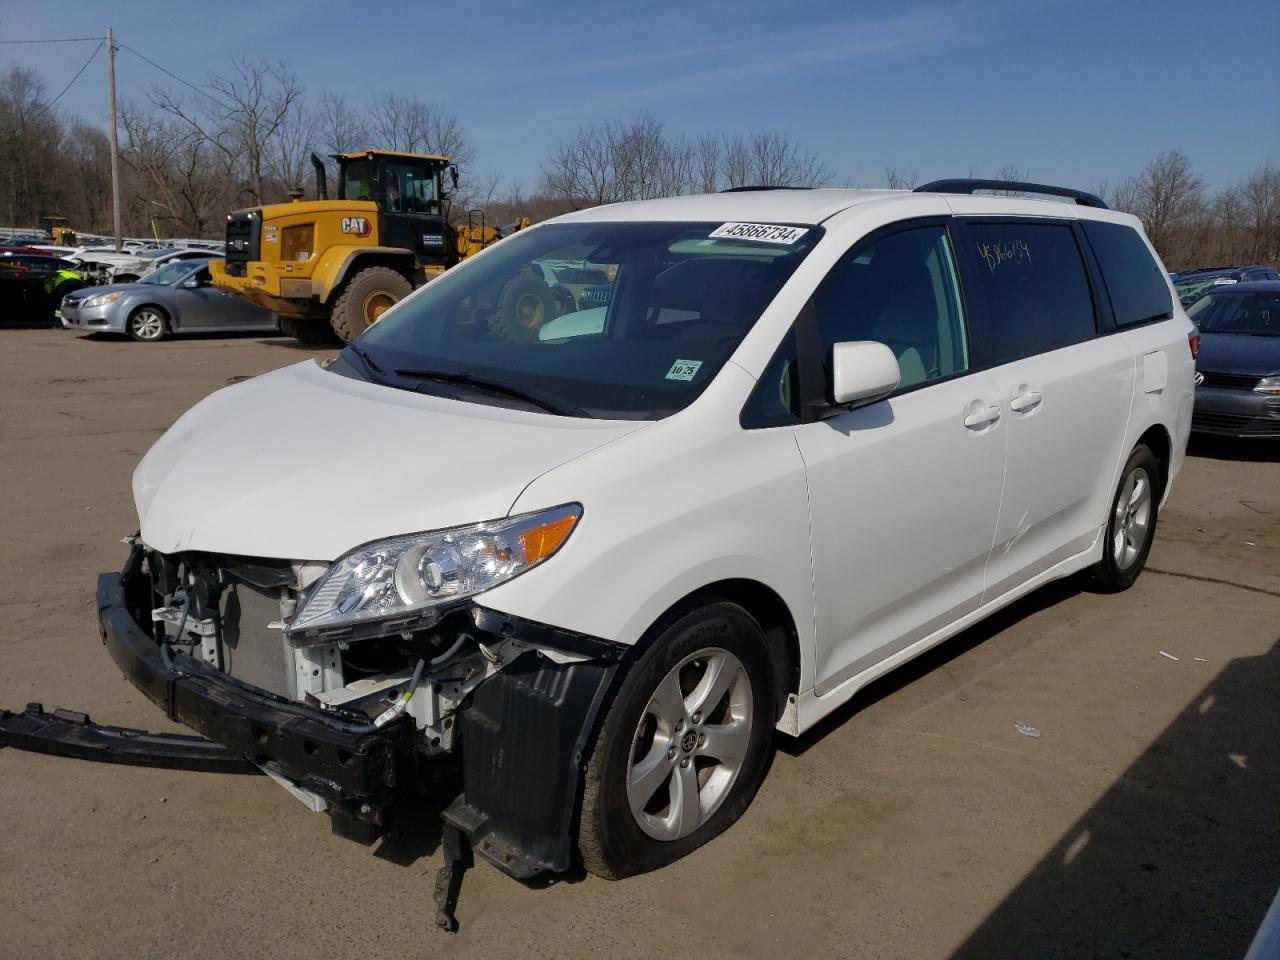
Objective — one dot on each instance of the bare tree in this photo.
(582, 170)
(900, 179)
(30, 137)
(88, 152)
(777, 160)
(1261, 198)
(339, 128)
(290, 153)
(771, 159)
(253, 103)
(1166, 195)
(707, 163)
(415, 126)
(638, 160)
(1010, 172)
(735, 169)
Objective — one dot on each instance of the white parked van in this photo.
(571, 554)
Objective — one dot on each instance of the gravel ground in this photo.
(916, 823)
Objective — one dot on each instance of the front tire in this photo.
(1131, 525)
(148, 324)
(370, 293)
(683, 746)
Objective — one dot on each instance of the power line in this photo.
(170, 73)
(49, 106)
(56, 40)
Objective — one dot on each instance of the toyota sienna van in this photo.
(560, 542)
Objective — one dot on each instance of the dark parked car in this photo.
(31, 287)
(1238, 369)
(1191, 284)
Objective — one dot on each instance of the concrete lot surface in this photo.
(917, 823)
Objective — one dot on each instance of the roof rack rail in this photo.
(761, 186)
(1016, 186)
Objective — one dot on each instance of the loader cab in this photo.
(409, 191)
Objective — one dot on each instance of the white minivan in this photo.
(566, 536)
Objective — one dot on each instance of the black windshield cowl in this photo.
(374, 371)
(538, 398)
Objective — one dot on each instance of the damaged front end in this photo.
(487, 713)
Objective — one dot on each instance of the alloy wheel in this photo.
(147, 324)
(1132, 518)
(690, 744)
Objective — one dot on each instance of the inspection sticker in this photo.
(684, 369)
(759, 232)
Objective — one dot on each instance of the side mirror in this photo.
(453, 174)
(191, 283)
(861, 372)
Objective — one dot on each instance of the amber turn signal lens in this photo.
(541, 542)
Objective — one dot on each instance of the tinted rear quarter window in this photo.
(1135, 283)
(1033, 287)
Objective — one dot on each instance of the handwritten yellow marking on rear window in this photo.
(1003, 251)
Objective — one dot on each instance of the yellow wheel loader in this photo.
(61, 234)
(330, 267)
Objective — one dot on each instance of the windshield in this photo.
(169, 273)
(1257, 314)
(359, 180)
(614, 320)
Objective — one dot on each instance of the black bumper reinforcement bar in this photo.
(69, 733)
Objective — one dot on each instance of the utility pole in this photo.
(115, 143)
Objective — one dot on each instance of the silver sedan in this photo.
(177, 298)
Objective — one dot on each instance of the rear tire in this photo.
(313, 333)
(1131, 524)
(366, 297)
(671, 766)
(148, 324)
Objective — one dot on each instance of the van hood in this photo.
(304, 464)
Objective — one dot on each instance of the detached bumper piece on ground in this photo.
(511, 799)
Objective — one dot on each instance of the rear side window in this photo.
(1032, 283)
(1135, 282)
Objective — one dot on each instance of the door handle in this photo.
(1025, 400)
(979, 414)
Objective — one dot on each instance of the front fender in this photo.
(338, 262)
(668, 510)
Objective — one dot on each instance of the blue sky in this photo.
(1071, 92)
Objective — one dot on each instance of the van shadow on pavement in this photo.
(1180, 857)
(1047, 596)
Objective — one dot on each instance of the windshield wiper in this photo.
(375, 372)
(539, 398)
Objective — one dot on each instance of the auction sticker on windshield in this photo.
(759, 232)
(684, 370)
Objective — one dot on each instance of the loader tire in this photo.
(366, 297)
(312, 333)
(524, 305)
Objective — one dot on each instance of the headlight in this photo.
(1268, 386)
(401, 584)
(101, 300)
